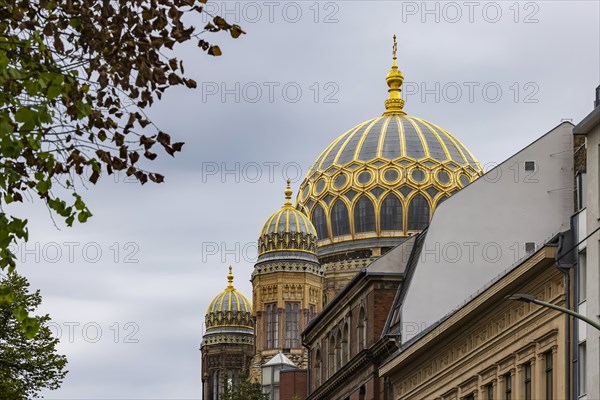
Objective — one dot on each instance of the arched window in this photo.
(216, 384)
(338, 350)
(364, 215)
(320, 222)
(331, 356)
(345, 345)
(362, 329)
(418, 213)
(390, 216)
(340, 224)
(317, 368)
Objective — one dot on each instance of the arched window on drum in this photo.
(340, 223)
(364, 215)
(320, 222)
(390, 215)
(418, 213)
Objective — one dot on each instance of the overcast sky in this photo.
(140, 274)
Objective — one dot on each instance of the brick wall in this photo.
(291, 384)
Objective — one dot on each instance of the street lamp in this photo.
(527, 298)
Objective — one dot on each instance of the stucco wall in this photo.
(481, 231)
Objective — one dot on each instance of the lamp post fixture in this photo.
(527, 298)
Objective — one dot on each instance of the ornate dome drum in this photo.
(382, 179)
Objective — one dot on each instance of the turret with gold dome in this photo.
(286, 284)
(379, 183)
(228, 344)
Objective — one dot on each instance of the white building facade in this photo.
(588, 260)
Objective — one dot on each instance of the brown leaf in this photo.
(214, 51)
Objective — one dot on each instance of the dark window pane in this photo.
(364, 177)
(391, 214)
(340, 224)
(320, 223)
(443, 177)
(364, 215)
(418, 213)
(418, 175)
(390, 175)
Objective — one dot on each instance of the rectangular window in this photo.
(470, 397)
(582, 276)
(529, 165)
(507, 387)
(582, 369)
(291, 325)
(527, 381)
(549, 372)
(271, 326)
(489, 392)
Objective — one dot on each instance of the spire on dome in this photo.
(230, 278)
(394, 79)
(288, 194)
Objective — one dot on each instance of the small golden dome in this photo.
(287, 230)
(229, 308)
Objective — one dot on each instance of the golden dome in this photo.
(384, 177)
(229, 308)
(287, 230)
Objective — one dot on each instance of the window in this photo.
(582, 369)
(364, 215)
(216, 387)
(338, 350)
(529, 165)
(362, 328)
(418, 213)
(331, 354)
(507, 387)
(271, 326)
(345, 345)
(527, 381)
(291, 325)
(317, 368)
(470, 397)
(340, 224)
(391, 214)
(320, 223)
(312, 312)
(549, 380)
(581, 190)
(489, 392)
(582, 276)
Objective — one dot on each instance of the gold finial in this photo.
(394, 79)
(288, 194)
(230, 278)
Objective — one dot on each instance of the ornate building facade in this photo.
(373, 188)
(492, 347)
(286, 285)
(228, 344)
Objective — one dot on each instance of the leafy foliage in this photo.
(26, 365)
(75, 78)
(246, 390)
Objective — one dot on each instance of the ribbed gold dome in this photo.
(229, 308)
(385, 176)
(287, 230)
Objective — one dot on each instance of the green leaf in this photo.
(20, 314)
(25, 114)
